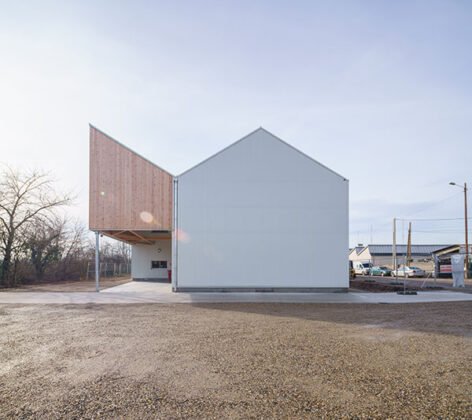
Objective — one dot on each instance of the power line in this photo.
(442, 230)
(439, 232)
(434, 204)
(433, 220)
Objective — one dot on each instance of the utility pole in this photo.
(466, 233)
(464, 187)
(394, 246)
(408, 249)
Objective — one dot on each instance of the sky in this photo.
(379, 91)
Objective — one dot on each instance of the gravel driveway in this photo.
(236, 361)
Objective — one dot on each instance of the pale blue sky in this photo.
(379, 91)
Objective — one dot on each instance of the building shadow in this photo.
(448, 318)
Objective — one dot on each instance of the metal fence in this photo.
(108, 270)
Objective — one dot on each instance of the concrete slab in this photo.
(140, 292)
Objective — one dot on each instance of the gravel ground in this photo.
(236, 361)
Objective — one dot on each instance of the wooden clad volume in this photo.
(127, 192)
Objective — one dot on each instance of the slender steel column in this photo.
(97, 261)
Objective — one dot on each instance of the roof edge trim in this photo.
(219, 152)
(304, 154)
(273, 135)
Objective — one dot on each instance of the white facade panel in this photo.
(143, 255)
(260, 214)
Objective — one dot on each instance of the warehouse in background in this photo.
(258, 215)
(381, 255)
(435, 259)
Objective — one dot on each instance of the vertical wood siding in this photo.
(127, 192)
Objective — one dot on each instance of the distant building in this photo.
(422, 255)
(442, 260)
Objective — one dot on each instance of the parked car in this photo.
(408, 272)
(352, 273)
(380, 271)
(362, 268)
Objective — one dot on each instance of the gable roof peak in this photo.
(296, 150)
(250, 135)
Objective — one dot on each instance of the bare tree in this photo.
(115, 251)
(74, 251)
(25, 199)
(75, 244)
(44, 244)
(124, 251)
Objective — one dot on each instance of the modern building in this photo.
(258, 215)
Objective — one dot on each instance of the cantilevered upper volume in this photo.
(128, 193)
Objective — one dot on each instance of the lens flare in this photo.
(146, 217)
(182, 236)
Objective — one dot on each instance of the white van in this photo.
(362, 268)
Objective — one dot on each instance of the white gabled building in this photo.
(259, 215)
